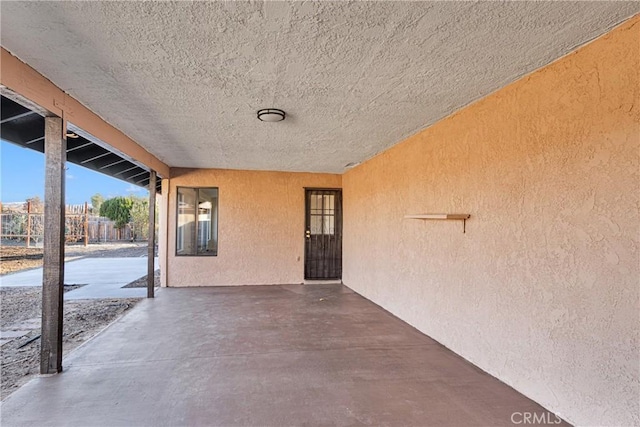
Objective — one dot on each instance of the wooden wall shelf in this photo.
(463, 217)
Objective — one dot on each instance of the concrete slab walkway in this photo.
(102, 277)
(263, 356)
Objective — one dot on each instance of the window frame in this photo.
(326, 215)
(196, 228)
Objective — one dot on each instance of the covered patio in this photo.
(470, 167)
(265, 356)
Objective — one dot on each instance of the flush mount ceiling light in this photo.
(271, 115)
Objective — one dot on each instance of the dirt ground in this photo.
(142, 282)
(21, 308)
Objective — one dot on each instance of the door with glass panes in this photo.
(323, 234)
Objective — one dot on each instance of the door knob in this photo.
(308, 234)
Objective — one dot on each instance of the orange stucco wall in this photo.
(261, 227)
(543, 289)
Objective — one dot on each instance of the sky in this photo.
(22, 177)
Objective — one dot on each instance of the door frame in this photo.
(304, 230)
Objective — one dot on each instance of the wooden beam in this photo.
(55, 151)
(152, 235)
(28, 83)
(17, 116)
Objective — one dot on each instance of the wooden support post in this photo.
(55, 151)
(29, 224)
(152, 235)
(86, 224)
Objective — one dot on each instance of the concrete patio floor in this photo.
(264, 356)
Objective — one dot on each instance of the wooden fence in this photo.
(80, 226)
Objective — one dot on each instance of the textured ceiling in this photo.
(185, 79)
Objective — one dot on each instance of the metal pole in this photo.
(29, 224)
(152, 235)
(86, 224)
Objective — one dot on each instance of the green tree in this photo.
(140, 217)
(117, 209)
(96, 201)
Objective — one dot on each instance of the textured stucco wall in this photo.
(261, 227)
(542, 290)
